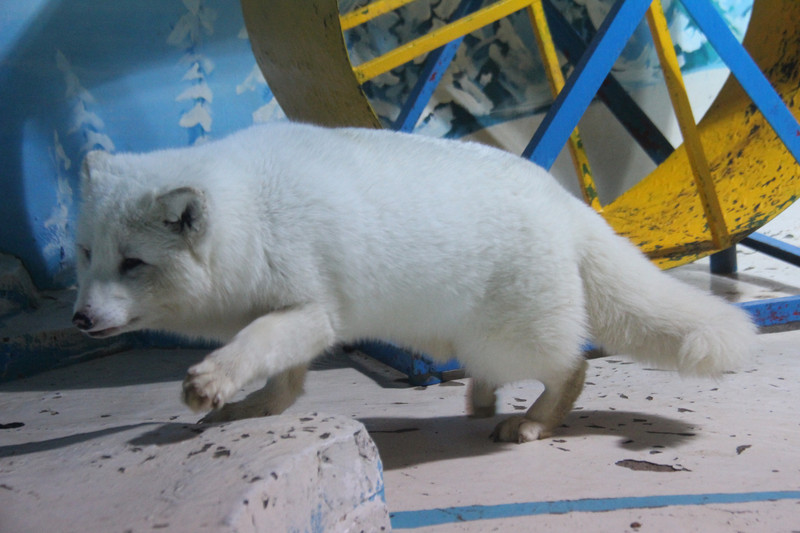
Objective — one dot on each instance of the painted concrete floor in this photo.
(637, 437)
(644, 450)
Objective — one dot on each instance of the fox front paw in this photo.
(207, 386)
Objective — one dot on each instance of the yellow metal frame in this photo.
(370, 11)
(755, 177)
(552, 68)
(687, 124)
(299, 47)
(433, 40)
(437, 38)
(731, 175)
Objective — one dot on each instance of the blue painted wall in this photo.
(124, 75)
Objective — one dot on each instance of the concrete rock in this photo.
(310, 473)
(17, 291)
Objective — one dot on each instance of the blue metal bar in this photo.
(420, 369)
(724, 261)
(775, 311)
(435, 64)
(773, 247)
(584, 82)
(747, 73)
(618, 101)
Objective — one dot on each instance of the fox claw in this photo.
(206, 387)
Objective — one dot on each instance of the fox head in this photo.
(136, 242)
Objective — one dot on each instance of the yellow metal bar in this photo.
(556, 79)
(375, 9)
(691, 138)
(439, 37)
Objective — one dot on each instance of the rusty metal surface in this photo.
(754, 174)
(299, 47)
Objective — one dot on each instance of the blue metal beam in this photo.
(420, 368)
(435, 64)
(611, 92)
(775, 311)
(773, 247)
(582, 85)
(747, 73)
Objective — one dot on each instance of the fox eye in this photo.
(130, 263)
(87, 253)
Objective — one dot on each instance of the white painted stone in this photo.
(311, 472)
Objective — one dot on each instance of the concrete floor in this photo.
(635, 433)
(643, 450)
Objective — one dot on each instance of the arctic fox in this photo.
(283, 240)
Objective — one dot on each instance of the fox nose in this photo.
(82, 321)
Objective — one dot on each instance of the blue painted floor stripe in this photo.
(434, 517)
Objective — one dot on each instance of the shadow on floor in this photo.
(404, 442)
(161, 434)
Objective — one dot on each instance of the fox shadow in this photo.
(404, 442)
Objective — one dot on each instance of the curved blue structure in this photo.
(126, 75)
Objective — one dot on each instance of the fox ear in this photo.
(183, 212)
(92, 170)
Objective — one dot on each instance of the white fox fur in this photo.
(285, 239)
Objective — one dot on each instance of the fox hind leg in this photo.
(482, 400)
(547, 411)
